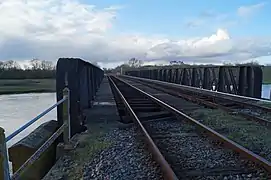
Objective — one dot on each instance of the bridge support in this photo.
(239, 80)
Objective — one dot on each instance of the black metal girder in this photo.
(83, 80)
(240, 80)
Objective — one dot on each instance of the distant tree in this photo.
(176, 62)
(36, 70)
(1, 65)
(133, 62)
(252, 63)
(47, 65)
(27, 67)
(11, 65)
(36, 64)
(228, 64)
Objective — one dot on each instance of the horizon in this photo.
(24, 64)
(112, 32)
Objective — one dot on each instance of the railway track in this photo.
(183, 151)
(253, 135)
(246, 108)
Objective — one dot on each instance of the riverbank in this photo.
(19, 86)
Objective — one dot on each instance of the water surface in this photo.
(17, 109)
(266, 91)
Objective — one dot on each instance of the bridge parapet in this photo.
(83, 79)
(239, 80)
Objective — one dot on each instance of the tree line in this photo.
(37, 69)
(42, 69)
(134, 63)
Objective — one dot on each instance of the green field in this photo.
(14, 86)
(267, 75)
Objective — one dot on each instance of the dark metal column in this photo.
(249, 82)
(258, 80)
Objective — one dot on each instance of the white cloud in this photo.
(217, 48)
(245, 11)
(49, 29)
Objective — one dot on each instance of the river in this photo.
(266, 91)
(17, 109)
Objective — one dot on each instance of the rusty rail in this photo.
(166, 169)
(224, 140)
(207, 103)
(213, 95)
(216, 93)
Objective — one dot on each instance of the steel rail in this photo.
(197, 89)
(227, 142)
(226, 97)
(209, 104)
(165, 167)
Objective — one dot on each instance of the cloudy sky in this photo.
(112, 31)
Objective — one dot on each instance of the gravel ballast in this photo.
(193, 156)
(208, 118)
(108, 149)
(250, 134)
(126, 158)
(117, 153)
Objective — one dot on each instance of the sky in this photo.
(110, 32)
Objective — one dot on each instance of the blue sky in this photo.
(171, 17)
(110, 32)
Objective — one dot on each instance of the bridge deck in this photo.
(104, 107)
(106, 143)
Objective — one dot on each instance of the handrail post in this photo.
(66, 116)
(4, 166)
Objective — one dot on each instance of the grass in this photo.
(17, 86)
(266, 81)
(267, 104)
(90, 145)
(267, 75)
(248, 133)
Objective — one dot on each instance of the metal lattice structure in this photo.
(239, 80)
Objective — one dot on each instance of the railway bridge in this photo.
(184, 123)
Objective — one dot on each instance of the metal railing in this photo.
(65, 129)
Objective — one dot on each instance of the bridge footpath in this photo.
(108, 149)
(102, 122)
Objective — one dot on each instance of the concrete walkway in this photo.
(101, 118)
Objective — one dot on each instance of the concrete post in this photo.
(4, 167)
